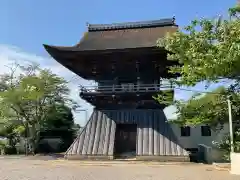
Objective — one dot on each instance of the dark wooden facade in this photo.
(129, 70)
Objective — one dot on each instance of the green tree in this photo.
(11, 132)
(77, 128)
(26, 93)
(207, 49)
(59, 123)
(210, 108)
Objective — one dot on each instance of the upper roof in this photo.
(122, 35)
(132, 25)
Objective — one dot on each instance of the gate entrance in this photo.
(125, 140)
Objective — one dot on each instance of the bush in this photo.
(10, 150)
(44, 148)
(2, 146)
(50, 146)
(225, 146)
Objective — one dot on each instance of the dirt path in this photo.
(23, 169)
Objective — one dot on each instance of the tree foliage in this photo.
(12, 131)
(59, 123)
(207, 49)
(210, 108)
(225, 145)
(59, 115)
(26, 94)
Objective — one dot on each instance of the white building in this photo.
(191, 137)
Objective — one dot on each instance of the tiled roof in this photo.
(126, 35)
(123, 35)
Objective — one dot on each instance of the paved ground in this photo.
(34, 169)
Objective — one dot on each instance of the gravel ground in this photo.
(26, 169)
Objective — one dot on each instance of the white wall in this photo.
(235, 163)
(196, 138)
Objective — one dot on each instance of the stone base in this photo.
(86, 157)
(137, 158)
(164, 158)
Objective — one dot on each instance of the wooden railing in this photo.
(128, 88)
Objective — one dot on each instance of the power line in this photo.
(206, 92)
(198, 91)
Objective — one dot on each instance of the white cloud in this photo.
(10, 54)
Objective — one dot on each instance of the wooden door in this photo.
(125, 138)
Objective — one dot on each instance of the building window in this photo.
(206, 130)
(185, 131)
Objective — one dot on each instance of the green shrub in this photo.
(10, 150)
(225, 146)
(2, 146)
(50, 146)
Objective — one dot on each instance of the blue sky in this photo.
(27, 24)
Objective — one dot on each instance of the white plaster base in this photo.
(235, 163)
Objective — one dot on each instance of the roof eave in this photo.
(54, 50)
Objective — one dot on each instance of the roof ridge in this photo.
(132, 25)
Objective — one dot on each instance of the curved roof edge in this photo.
(50, 48)
(131, 25)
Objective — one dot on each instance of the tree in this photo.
(77, 128)
(207, 49)
(210, 108)
(12, 132)
(59, 123)
(225, 146)
(26, 93)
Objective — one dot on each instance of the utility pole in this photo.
(230, 123)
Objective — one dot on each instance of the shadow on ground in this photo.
(44, 157)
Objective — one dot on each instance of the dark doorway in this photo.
(125, 140)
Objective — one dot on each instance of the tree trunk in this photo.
(34, 137)
(26, 139)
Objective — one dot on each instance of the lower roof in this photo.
(99, 65)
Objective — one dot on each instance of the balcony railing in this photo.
(126, 88)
